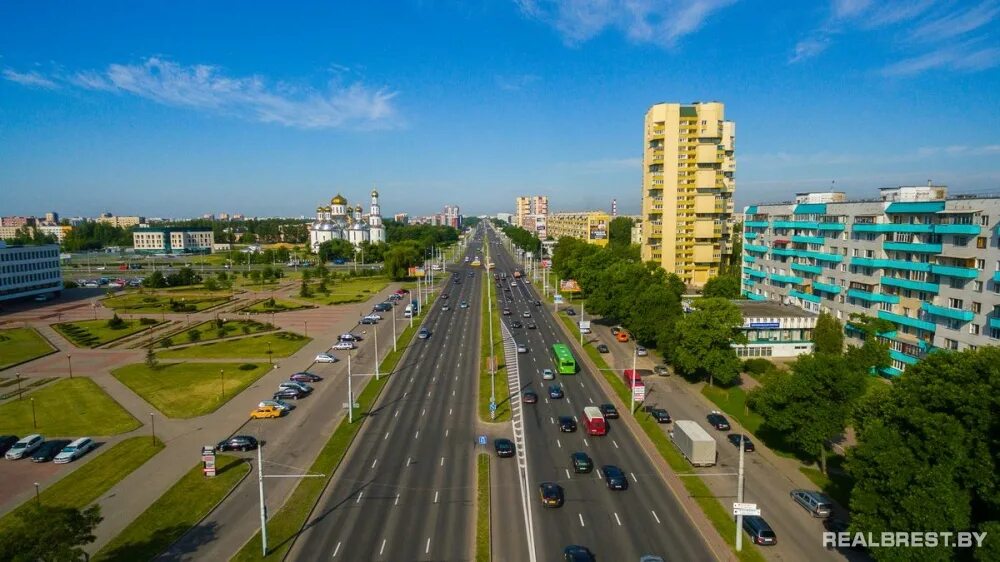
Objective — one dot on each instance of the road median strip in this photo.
(486, 353)
(484, 547)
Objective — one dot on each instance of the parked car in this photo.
(758, 529)
(555, 392)
(74, 450)
(289, 394)
(609, 411)
(661, 370)
(280, 404)
(548, 374)
(718, 421)
(238, 443)
(264, 412)
(816, 503)
(531, 326)
(582, 463)
(577, 553)
(551, 494)
(349, 337)
(504, 447)
(570, 312)
(325, 358)
(296, 385)
(660, 415)
(529, 397)
(614, 477)
(366, 320)
(6, 442)
(305, 377)
(567, 424)
(516, 324)
(48, 450)
(601, 348)
(24, 447)
(506, 312)
(748, 447)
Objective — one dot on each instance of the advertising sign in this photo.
(745, 509)
(416, 272)
(599, 230)
(584, 324)
(558, 298)
(208, 460)
(569, 286)
(639, 393)
(765, 325)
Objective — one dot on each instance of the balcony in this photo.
(912, 247)
(807, 268)
(826, 288)
(750, 235)
(966, 229)
(749, 259)
(808, 239)
(893, 227)
(954, 271)
(783, 252)
(754, 273)
(754, 297)
(902, 357)
(804, 296)
(943, 311)
(836, 226)
(872, 297)
(793, 279)
(755, 224)
(819, 256)
(907, 321)
(908, 284)
(891, 264)
(805, 225)
(754, 248)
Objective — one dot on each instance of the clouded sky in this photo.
(180, 108)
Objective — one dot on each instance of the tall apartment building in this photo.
(927, 263)
(452, 216)
(590, 226)
(531, 213)
(687, 188)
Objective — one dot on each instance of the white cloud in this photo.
(30, 78)
(809, 48)
(957, 23)
(826, 158)
(660, 22)
(515, 83)
(957, 58)
(209, 88)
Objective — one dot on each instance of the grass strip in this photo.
(213, 330)
(20, 345)
(92, 333)
(188, 390)
(483, 547)
(500, 388)
(280, 344)
(66, 408)
(84, 485)
(174, 513)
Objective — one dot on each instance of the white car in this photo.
(325, 358)
(547, 374)
(374, 317)
(641, 351)
(279, 404)
(24, 447)
(344, 345)
(74, 450)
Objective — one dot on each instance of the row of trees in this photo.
(523, 239)
(180, 278)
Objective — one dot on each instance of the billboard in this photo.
(599, 230)
(416, 272)
(569, 286)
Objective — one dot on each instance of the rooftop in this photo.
(769, 309)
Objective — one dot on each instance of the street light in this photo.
(268, 353)
(18, 375)
(69, 359)
(152, 428)
(350, 392)
(222, 379)
(34, 420)
(306, 325)
(38, 498)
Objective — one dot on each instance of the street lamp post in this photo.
(18, 375)
(69, 360)
(376, 351)
(350, 391)
(38, 497)
(269, 353)
(305, 324)
(222, 380)
(493, 372)
(152, 428)
(34, 420)
(635, 356)
(394, 329)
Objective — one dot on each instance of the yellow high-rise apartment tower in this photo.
(687, 188)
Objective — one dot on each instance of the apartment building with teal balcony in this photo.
(926, 262)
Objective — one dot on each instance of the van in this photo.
(817, 504)
(408, 311)
(758, 529)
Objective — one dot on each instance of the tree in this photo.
(620, 231)
(194, 335)
(371, 253)
(304, 291)
(828, 335)
(400, 257)
(811, 404)
(704, 338)
(211, 284)
(722, 286)
(49, 533)
(873, 353)
(154, 280)
(116, 323)
(335, 249)
(150, 358)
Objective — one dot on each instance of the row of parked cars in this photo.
(36, 448)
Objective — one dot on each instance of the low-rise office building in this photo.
(775, 330)
(589, 226)
(927, 263)
(120, 221)
(170, 240)
(27, 271)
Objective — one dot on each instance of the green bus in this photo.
(565, 363)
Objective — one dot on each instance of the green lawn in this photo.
(92, 333)
(176, 511)
(67, 408)
(19, 345)
(282, 344)
(187, 390)
(147, 302)
(733, 402)
(483, 546)
(501, 389)
(342, 291)
(84, 485)
(211, 330)
(280, 305)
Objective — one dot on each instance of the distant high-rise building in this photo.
(531, 213)
(687, 188)
(17, 222)
(52, 217)
(452, 216)
(121, 222)
(589, 226)
(401, 218)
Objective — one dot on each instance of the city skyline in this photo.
(180, 117)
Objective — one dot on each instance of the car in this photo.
(41, 298)
(444, 296)
(516, 324)
(521, 348)
(531, 326)
(238, 443)
(758, 529)
(660, 415)
(718, 421)
(289, 394)
(555, 392)
(423, 334)
(24, 447)
(614, 477)
(551, 494)
(615, 330)
(296, 385)
(344, 345)
(817, 504)
(577, 553)
(525, 314)
(49, 450)
(661, 370)
(304, 376)
(621, 336)
(650, 558)
(529, 397)
(74, 450)
(280, 404)
(538, 303)
(457, 281)
(445, 308)
(609, 411)
(506, 312)
(548, 374)
(471, 274)
(601, 348)
(348, 337)
(567, 424)
(748, 447)
(584, 330)
(6, 442)
(641, 351)
(570, 312)
(325, 358)
(582, 463)
(463, 304)
(264, 412)
(503, 447)
(368, 321)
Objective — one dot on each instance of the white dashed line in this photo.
(408, 460)
(568, 401)
(616, 444)
(586, 443)
(360, 494)
(422, 412)
(427, 549)
(417, 434)
(449, 411)
(559, 443)
(442, 464)
(568, 477)
(446, 432)
(336, 550)
(396, 414)
(381, 550)
(654, 516)
(634, 479)
(386, 436)
(618, 520)
(581, 520)
(374, 462)
(397, 500)
(435, 496)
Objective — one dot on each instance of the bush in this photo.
(758, 366)
(70, 285)
(147, 321)
(116, 323)
(166, 342)
(194, 335)
(247, 367)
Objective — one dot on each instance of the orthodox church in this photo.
(340, 221)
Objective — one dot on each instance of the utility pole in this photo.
(739, 499)
(493, 371)
(350, 392)
(376, 350)
(260, 490)
(635, 355)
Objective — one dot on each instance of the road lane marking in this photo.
(442, 464)
(336, 550)
(408, 459)
(386, 436)
(452, 392)
(559, 443)
(417, 434)
(396, 414)
(654, 516)
(568, 477)
(618, 520)
(435, 496)
(449, 411)
(616, 444)
(427, 549)
(446, 432)
(551, 419)
(397, 500)
(636, 480)
(360, 494)
(381, 550)
(374, 462)
(575, 419)
(568, 401)
(423, 411)
(585, 442)
(581, 520)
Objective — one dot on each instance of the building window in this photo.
(951, 344)
(977, 307)
(980, 264)
(978, 286)
(981, 242)
(955, 303)
(974, 329)
(984, 220)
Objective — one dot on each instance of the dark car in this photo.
(305, 377)
(555, 392)
(367, 320)
(504, 447)
(538, 303)
(551, 494)
(660, 415)
(49, 450)
(238, 443)
(614, 477)
(516, 324)
(423, 334)
(758, 529)
(577, 553)
(609, 411)
(6, 442)
(718, 421)
(582, 462)
(289, 394)
(570, 312)
(567, 424)
(601, 348)
(530, 397)
(734, 438)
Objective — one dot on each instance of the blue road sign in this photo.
(493, 406)
(482, 439)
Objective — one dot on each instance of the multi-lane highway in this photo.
(615, 525)
(406, 490)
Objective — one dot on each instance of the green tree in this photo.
(116, 323)
(704, 338)
(211, 284)
(873, 353)
(371, 253)
(304, 291)
(722, 286)
(154, 280)
(810, 405)
(194, 335)
(150, 358)
(49, 534)
(400, 257)
(828, 335)
(335, 249)
(620, 231)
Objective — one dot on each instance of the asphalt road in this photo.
(615, 525)
(407, 489)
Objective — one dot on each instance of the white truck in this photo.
(697, 446)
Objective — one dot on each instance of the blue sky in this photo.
(180, 108)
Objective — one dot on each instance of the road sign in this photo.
(356, 405)
(639, 393)
(482, 439)
(558, 298)
(584, 324)
(493, 406)
(745, 509)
